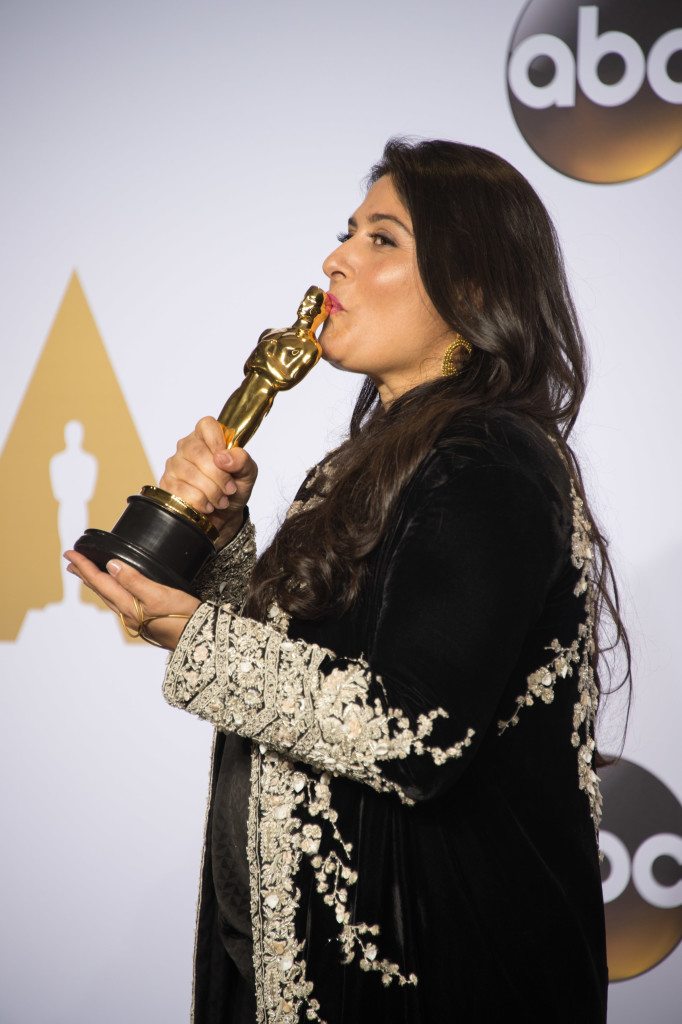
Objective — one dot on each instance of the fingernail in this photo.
(230, 487)
(223, 503)
(227, 459)
(114, 568)
(70, 568)
(209, 506)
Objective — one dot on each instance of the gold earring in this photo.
(450, 368)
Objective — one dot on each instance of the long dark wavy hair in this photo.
(490, 261)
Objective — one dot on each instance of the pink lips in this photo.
(333, 304)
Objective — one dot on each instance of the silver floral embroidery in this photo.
(274, 840)
(584, 716)
(540, 684)
(334, 875)
(226, 577)
(317, 484)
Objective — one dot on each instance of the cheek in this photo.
(401, 302)
(390, 284)
(395, 308)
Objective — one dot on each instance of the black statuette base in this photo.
(161, 544)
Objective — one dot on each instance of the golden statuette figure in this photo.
(159, 533)
(280, 360)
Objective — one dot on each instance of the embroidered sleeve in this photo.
(466, 581)
(297, 698)
(226, 577)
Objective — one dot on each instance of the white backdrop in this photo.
(193, 162)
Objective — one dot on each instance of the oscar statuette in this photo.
(160, 534)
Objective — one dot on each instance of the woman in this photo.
(403, 811)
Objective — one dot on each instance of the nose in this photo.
(335, 265)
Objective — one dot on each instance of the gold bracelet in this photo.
(152, 618)
(143, 621)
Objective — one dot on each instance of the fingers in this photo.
(121, 583)
(211, 432)
(243, 472)
(140, 603)
(103, 584)
(155, 598)
(208, 476)
(191, 483)
(193, 475)
(238, 464)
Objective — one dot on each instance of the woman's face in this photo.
(387, 327)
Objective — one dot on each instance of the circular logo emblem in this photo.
(596, 89)
(641, 839)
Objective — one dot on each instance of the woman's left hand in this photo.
(134, 598)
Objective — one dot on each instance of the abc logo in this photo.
(641, 839)
(596, 89)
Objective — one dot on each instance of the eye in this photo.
(381, 240)
(378, 238)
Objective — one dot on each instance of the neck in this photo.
(386, 396)
(392, 386)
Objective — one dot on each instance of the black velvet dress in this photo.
(403, 808)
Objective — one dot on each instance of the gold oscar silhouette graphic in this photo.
(160, 534)
(73, 381)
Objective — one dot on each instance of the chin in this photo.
(328, 357)
(337, 361)
(330, 351)
(338, 350)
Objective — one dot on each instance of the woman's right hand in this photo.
(210, 478)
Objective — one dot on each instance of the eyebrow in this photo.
(375, 217)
